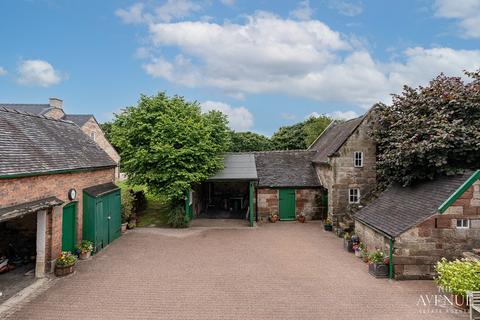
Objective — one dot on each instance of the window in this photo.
(358, 159)
(463, 223)
(354, 195)
(93, 135)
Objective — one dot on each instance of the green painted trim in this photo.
(251, 206)
(390, 259)
(35, 174)
(467, 184)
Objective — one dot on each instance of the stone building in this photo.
(87, 122)
(46, 166)
(345, 165)
(422, 223)
(254, 185)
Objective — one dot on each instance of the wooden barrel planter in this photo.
(62, 271)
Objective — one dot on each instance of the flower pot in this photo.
(358, 253)
(273, 219)
(124, 227)
(61, 271)
(348, 245)
(378, 270)
(301, 219)
(85, 255)
(459, 302)
(327, 227)
(365, 258)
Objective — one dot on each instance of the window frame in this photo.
(93, 135)
(462, 225)
(361, 159)
(350, 195)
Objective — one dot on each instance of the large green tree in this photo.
(429, 131)
(169, 145)
(249, 141)
(314, 126)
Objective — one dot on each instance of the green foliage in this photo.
(314, 126)
(176, 217)
(66, 258)
(459, 276)
(85, 246)
(300, 135)
(249, 141)
(168, 145)
(128, 203)
(376, 256)
(429, 131)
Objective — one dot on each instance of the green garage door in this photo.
(102, 215)
(69, 226)
(286, 204)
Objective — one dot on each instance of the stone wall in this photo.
(21, 190)
(341, 174)
(56, 113)
(372, 239)
(92, 126)
(266, 202)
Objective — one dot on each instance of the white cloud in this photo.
(467, 11)
(239, 118)
(343, 115)
(303, 12)
(269, 54)
(229, 3)
(347, 8)
(2, 71)
(170, 10)
(37, 73)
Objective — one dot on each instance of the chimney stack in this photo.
(56, 103)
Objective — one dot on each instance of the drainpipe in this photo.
(390, 260)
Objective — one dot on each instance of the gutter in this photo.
(467, 184)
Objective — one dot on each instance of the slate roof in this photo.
(333, 138)
(78, 119)
(32, 144)
(37, 109)
(101, 189)
(291, 168)
(400, 208)
(28, 207)
(237, 166)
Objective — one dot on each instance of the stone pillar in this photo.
(41, 242)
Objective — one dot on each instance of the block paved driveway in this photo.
(285, 270)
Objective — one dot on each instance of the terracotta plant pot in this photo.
(301, 219)
(85, 255)
(62, 271)
(459, 302)
(273, 219)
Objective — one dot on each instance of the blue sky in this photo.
(264, 63)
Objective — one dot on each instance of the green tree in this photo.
(249, 141)
(314, 126)
(429, 131)
(289, 137)
(169, 145)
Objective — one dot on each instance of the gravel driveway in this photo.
(285, 270)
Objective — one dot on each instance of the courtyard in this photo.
(285, 270)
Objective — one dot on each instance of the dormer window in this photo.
(93, 135)
(358, 159)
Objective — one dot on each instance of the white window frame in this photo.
(360, 159)
(351, 195)
(93, 135)
(463, 225)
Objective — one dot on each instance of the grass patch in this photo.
(155, 215)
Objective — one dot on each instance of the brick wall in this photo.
(20, 190)
(92, 126)
(267, 202)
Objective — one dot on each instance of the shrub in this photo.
(176, 217)
(140, 203)
(458, 276)
(128, 203)
(85, 246)
(66, 259)
(376, 256)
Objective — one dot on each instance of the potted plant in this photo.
(458, 277)
(347, 242)
(301, 217)
(377, 267)
(327, 224)
(360, 249)
(65, 264)
(273, 217)
(85, 249)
